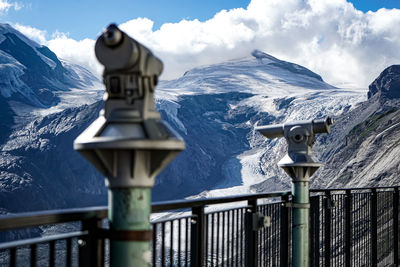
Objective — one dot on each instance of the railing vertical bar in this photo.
(348, 229)
(264, 242)
(90, 250)
(68, 255)
(217, 246)
(52, 253)
(260, 234)
(242, 247)
(179, 241)
(33, 255)
(163, 244)
(212, 240)
(13, 257)
(154, 244)
(238, 230)
(270, 234)
(373, 244)
(228, 233)
(358, 234)
(171, 244)
(232, 240)
(237, 236)
(206, 223)
(363, 225)
(284, 238)
(359, 231)
(268, 253)
(276, 231)
(251, 236)
(396, 226)
(223, 239)
(234, 235)
(314, 230)
(197, 237)
(368, 239)
(327, 234)
(187, 242)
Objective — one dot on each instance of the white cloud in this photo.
(79, 52)
(330, 37)
(34, 34)
(6, 5)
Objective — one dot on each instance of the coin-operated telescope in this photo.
(300, 165)
(129, 143)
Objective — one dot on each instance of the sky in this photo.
(347, 43)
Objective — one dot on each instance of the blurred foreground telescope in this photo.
(129, 143)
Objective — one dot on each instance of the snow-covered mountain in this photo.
(214, 108)
(33, 74)
(35, 86)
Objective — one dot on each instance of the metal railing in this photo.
(348, 227)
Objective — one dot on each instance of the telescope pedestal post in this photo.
(129, 210)
(300, 218)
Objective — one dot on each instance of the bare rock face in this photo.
(387, 85)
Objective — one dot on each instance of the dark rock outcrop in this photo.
(387, 85)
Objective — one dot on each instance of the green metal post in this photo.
(129, 210)
(300, 226)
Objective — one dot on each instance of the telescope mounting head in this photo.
(130, 75)
(300, 138)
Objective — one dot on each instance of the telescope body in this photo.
(300, 138)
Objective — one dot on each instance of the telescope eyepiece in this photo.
(330, 121)
(112, 36)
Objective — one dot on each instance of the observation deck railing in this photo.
(348, 227)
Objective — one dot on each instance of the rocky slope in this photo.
(37, 94)
(366, 152)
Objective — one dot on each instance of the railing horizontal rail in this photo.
(186, 204)
(228, 209)
(31, 219)
(41, 240)
(312, 190)
(170, 219)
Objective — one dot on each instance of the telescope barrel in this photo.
(271, 131)
(278, 130)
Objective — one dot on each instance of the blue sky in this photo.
(347, 43)
(83, 18)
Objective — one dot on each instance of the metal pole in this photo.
(129, 212)
(300, 219)
(284, 242)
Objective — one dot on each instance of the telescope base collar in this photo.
(126, 235)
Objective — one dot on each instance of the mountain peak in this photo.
(387, 84)
(261, 55)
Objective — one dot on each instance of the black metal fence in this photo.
(355, 227)
(348, 227)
